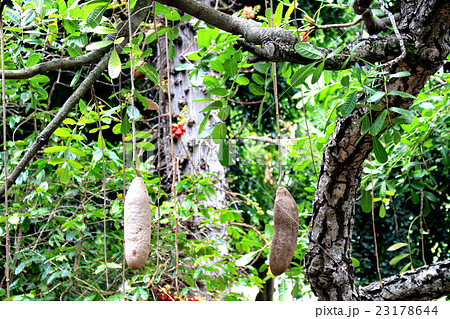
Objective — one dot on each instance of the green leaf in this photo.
(146, 146)
(114, 65)
(348, 106)
(377, 126)
(184, 66)
(74, 164)
(203, 123)
(418, 185)
(57, 161)
(197, 76)
(258, 79)
(206, 133)
(366, 201)
(98, 45)
(382, 211)
(245, 259)
(150, 72)
(355, 262)
(65, 174)
(33, 60)
(242, 80)
(399, 75)
(74, 50)
(376, 97)
(94, 17)
(397, 246)
(308, 51)
(380, 152)
(414, 197)
(20, 268)
(230, 67)
(256, 89)
(55, 149)
(396, 259)
(219, 133)
(204, 38)
(406, 267)
(40, 78)
(430, 196)
(282, 290)
(216, 105)
(301, 74)
(152, 36)
(77, 151)
(317, 73)
(62, 132)
(278, 14)
(224, 154)
(402, 94)
(406, 113)
(126, 125)
(289, 11)
(335, 52)
(219, 91)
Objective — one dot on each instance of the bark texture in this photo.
(424, 283)
(425, 27)
(193, 155)
(202, 153)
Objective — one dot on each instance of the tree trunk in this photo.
(425, 24)
(193, 155)
(203, 153)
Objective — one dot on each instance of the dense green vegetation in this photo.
(67, 206)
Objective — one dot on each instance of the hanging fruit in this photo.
(285, 233)
(137, 230)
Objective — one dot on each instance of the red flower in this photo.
(178, 130)
(248, 12)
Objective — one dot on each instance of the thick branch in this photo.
(63, 64)
(73, 62)
(276, 44)
(373, 25)
(381, 49)
(424, 283)
(138, 16)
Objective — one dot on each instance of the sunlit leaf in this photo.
(308, 51)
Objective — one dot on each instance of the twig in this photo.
(103, 184)
(436, 87)
(189, 157)
(373, 224)
(397, 34)
(421, 229)
(266, 243)
(309, 135)
(133, 122)
(173, 157)
(5, 154)
(337, 26)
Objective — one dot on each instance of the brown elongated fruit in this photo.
(137, 229)
(285, 232)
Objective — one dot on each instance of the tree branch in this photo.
(424, 283)
(373, 25)
(276, 44)
(73, 62)
(139, 14)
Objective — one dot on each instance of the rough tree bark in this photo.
(193, 155)
(424, 25)
(202, 152)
